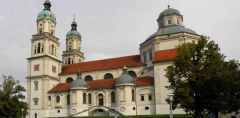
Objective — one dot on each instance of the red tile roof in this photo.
(102, 84)
(116, 63)
(145, 81)
(165, 55)
(106, 64)
(62, 87)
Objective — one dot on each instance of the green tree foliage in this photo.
(11, 99)
(202, 80)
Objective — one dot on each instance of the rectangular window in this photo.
(35, 101)
(54, 69)
(36, 67)
(49, 98)
(144, 56)
(84, 98)
(142, 97)
(150, 97)
(133, 95)
(89, 98)
(150, 55)
(68, 100)
(169, 22)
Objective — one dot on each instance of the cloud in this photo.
(2, 18)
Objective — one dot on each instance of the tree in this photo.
(203, 81)
(11, 99)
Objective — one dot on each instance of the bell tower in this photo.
(44, 64)
(73, 53)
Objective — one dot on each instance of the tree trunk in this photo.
(216, 114)
(197, 114)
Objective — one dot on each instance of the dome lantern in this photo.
(46, 20)
(74, 26)
(47, 5)
(170, 21)
(73, 31)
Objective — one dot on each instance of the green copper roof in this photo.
(173, 29)
(46, 14)
(125, 78)
(170, 11)
(79, 82)
(73, 33)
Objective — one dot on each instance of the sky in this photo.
(111, 28)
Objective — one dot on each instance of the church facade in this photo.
(129, 85)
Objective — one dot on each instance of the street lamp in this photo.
(171, 102)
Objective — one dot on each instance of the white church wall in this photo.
(98, 75)
(161, 92)
(146, 106)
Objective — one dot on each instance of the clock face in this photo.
(122, 109)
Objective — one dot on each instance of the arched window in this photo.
(89, 98)
(42, 48)
(88, 78)
(70, 45)
(52, 49)
(108, 76)
(68, 99)
(35, 115)
(57, 99)
(38, 47)
(113, 97)
(133, 95)
(84, 98)
(100, 100)
(132, 73)
(69, 60)
(69, 80)
(35, 49)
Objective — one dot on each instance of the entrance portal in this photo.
(99, 112)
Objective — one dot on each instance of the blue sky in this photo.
(111, 28)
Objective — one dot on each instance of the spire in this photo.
(74, 24)
(125, 69)
(169, 6)
(47, 5)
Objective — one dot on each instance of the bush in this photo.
(144, 116)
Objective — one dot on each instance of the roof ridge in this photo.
(113, 58)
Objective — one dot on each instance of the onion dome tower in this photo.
(44, 64)
(73, 53)
(46, 20)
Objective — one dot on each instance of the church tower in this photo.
(44, 64)
(73, 53)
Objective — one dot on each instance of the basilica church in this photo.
(67, 85)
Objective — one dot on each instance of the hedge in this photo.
(147, 116)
